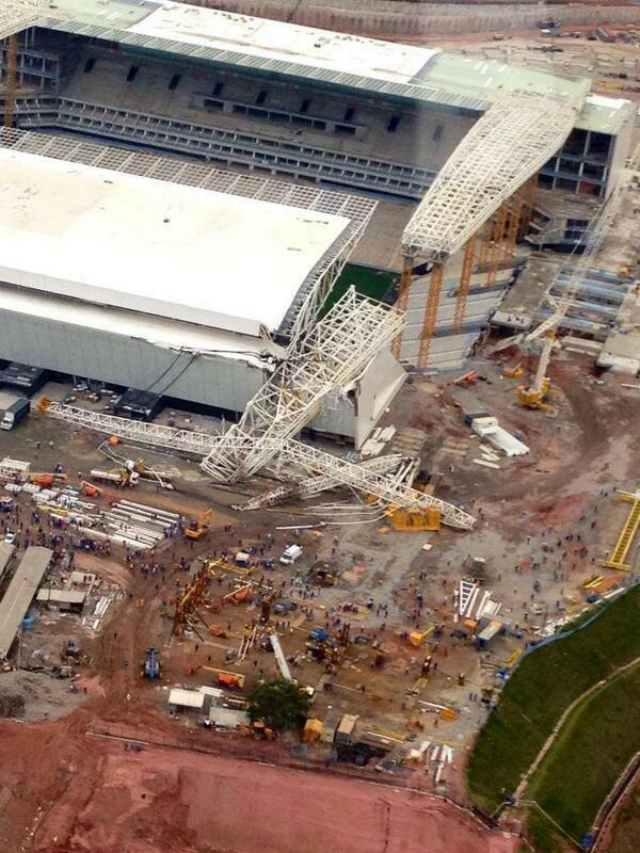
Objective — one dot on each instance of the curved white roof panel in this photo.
(174, 251)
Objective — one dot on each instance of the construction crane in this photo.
(327, 357)
(535, 395)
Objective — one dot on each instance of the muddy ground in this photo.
(60, 781)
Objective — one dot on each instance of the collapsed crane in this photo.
(329, 357)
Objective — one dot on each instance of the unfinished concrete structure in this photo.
(392, 120)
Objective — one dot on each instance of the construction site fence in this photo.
(383, 18)
(564, 634)
(297, 759)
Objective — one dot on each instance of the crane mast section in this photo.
(330, 357)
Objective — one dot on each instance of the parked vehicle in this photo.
(16, 412)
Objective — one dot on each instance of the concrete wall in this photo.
(375, 392)
(621, 150)
(372, 17)
(215, 381)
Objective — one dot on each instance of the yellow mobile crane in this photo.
(535, 395)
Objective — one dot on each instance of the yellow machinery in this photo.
(223, 676)
(618, 557)
(417, 638)
(535, 395)
(198, 526)
(187, 605)
(515, 372)
(406, 520)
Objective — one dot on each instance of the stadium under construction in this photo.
(183, 187)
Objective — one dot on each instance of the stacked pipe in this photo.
(142, 525)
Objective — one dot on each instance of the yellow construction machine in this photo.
(198, 527)
(414, 520)
(535, 396)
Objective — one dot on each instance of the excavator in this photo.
(198, 526)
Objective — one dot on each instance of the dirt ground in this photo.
(624, 834)
(525, 510)
(179, 802)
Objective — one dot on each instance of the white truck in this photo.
(290, 555)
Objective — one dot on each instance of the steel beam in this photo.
(430, 314)
(465, 280)
(507, 145)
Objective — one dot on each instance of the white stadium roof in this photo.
(173, 251)
(267, 39)
(290, 50)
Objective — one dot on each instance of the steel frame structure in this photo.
(365, 479)
(332, 355)
(402, 467)
(430, 314)
(465, 279)
(325, 470)
(385, 489)
(196, 444)
(506, 146)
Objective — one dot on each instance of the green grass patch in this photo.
(593, 748)
(542, 687)
(367, 281)
(543, 834)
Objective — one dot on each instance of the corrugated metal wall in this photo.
(210, 380)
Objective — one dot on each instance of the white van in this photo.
(290, 555)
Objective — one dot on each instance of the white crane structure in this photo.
(330, 356)
(403, 469)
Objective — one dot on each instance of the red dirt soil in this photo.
(65, 789)
(76, 792)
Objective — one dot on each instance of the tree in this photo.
(280, 703)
